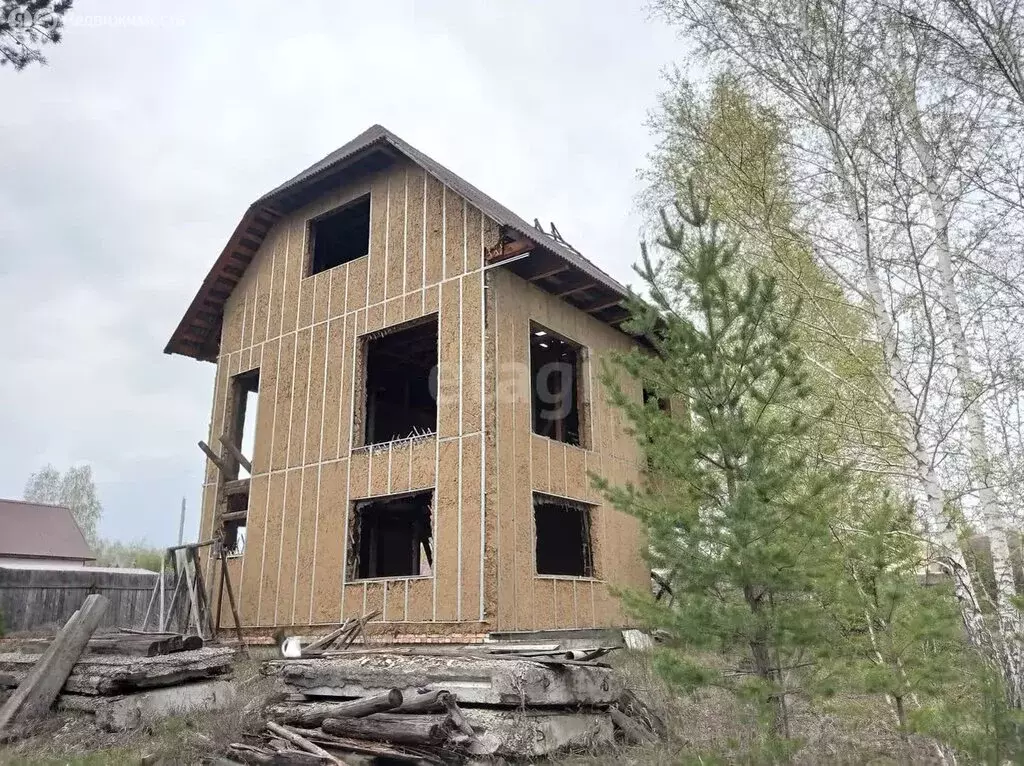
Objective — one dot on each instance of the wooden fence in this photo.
(41, 600)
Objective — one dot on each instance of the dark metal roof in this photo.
(198, 333)
(35, 530)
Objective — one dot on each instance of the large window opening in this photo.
(392, 537)
(246, 400)
(340, 236)
(233, 538)
(555, 364)
(563, 537)
(401, 383)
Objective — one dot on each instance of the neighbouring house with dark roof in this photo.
(420, 367)
(38, 536)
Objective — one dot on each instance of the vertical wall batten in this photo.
(273, 431)
(483, 419)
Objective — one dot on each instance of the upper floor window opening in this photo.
(339, 236)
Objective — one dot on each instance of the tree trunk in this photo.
(980, 462)
(941, 526)
(765, 668)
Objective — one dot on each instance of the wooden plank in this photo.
(255, 755)
(215, 459)
(324, 641)
(40, 688)
(116, 674)
(363, 747)
(142, 646)
(235, 453)
(508, 250)
(474, 680)
(235, 487)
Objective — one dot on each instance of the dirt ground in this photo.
(705, 729)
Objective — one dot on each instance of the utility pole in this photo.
(181, 523)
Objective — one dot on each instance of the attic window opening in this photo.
(564, 545)
(555, 364)
(392, 537)
(340, 236)
(401, 383)
(245, 389)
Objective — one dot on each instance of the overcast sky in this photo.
(127, 161)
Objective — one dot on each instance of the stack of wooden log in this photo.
(127, 642)
(444, 705)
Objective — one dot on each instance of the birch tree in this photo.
(870, 176)
(74, 489)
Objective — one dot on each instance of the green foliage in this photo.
(137, 554)
(27, 25)
(732, 148)
(896, 636)
(737, 507)
(849, 611)
(73, 489)
(973, 717)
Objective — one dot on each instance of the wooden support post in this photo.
(201, 597)
(220, 590)
(235, 453)
(215, 459)
(152, 600)
(40, 688)
(231, 602)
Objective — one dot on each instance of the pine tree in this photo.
(897, 636)
(736, 505)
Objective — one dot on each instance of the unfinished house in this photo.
(407, 407)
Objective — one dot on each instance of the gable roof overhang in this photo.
(527, 251)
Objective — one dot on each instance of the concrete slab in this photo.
(132, 710)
